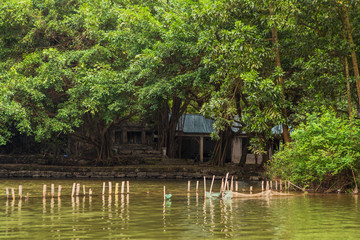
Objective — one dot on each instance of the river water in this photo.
(143, 214)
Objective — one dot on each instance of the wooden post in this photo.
(226, 181)
(197, 186)
(267, 185)
(271, 185)
(276, 185)
(280, 186)
(127, 187)
(222, 185)
(90, 192)
(20, 191)
(52, 190)
(59, 191)
(232, 184)
(201, 149)
(212, 183)
(122, 187)
(84, 190)
(103, 190)
(188, 189)
(44, 191)
(164, 193)
(250, 189)
(77, 189)
(262, 186)
(73, 189)
(236, 186)
(110, 188)
(204, 187)
(116, 188)
(13, 193)
(7, 193)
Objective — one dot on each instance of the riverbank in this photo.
(35, 167)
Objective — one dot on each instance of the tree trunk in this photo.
(286, 133)
(353, 54)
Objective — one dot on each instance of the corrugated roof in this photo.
(195, 123)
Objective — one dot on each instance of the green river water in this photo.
(143, 214)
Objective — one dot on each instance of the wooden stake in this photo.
(188, 186)
(59, 191)
(13, 193)
(73, 189)
(127, 187)
(262, 186)
(212, 183)
(7, 193)
(276, 185)
(280, 186)
(52, 190)
(267, 185)
(77, 189)
(250, 189)
(204, 187)
(122, 187)
(236, 186)
(44, 191)
(84, 190)
(20, 191)
(232, 184)
(222, 185)
(116, 188)
(90, 192)
(197, 186)
(104, 185)
(164, 193)
(271, 184)
(110, 188)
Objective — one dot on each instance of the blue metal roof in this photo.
(195, 123)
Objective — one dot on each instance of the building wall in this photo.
(236, 152)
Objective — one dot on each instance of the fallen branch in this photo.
(302, 189)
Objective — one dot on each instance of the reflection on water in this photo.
(143, 214)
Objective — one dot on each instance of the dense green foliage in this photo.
(78, 68)
(325, 147)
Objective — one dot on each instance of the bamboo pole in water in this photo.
(103, 189)
(90, 192)
(52, 190)
(164, 193)
(212, 184)
(122, 187)
(262, 186)
(267, 185)
(280, 185)
(84, 190)
(236, 186)
(110, 188)
(44, 191)
(276, 185)
(20, 191)
(188, 189)
(271, 185)
(197, 186)
(73, 189)
(204, 187)
(127, 187)
(232, 184)
(77, 189)
(13, 193)
(59, 191)
(251, 188)
(7, 193)
(116, 188)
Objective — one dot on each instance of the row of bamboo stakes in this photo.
(269, 185)
(74, 191)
